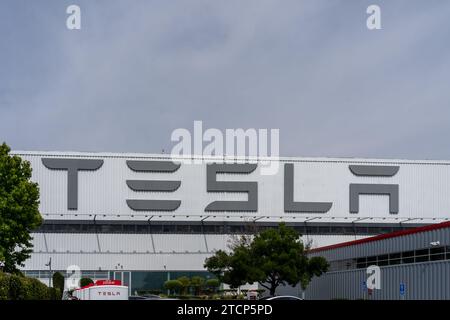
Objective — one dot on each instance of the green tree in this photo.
(58, 282)
(19, 210)
(274, 257)
(173, 286)
(197, 283)
(85, 282)
(185, 283)
(234, 269)
(212, 284)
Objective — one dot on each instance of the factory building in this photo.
(145, 218)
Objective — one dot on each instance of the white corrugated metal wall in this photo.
(94, 251)
(424, 187)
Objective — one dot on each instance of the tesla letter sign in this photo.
(72, 166)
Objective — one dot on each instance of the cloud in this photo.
(310, 68)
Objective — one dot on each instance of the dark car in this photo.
(293, 298)
(145, 297)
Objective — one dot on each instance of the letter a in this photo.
(374, 20)
(73, 21)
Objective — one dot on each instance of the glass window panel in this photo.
(408, 257)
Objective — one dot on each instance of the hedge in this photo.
(15, 287)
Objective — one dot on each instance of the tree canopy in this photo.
(273, 257)
(19, 210)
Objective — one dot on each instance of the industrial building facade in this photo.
(144, 219)
(414, 264)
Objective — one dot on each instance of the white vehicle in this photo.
(102, 290)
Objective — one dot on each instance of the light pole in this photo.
(49, 265)
(168, 278)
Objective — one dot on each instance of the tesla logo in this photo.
(153, 185)
(72, 166)
(390, 190)
(215, 185)
(109, 293)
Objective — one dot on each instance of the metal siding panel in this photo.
(423, 281)
(105, 191)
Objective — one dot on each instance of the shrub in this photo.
(173, 285)
(4, 286)
(58, 283)
(185, 283)
(16, 287)
(196, 283)
(213, 283)
(55, 294)
(85, 281)
(38, 290)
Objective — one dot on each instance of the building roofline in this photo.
(168, 156)
(384, 236)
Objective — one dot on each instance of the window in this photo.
(371, 260)
(383, 260)
(324, 230)
(183, 228)
(168, 228)
(142, 228)
(196, 228)
(156, 228)
(109, 228)
(311, 230)
(363, 230)
(422, 255)
(408, 257)
(129, 228)
(350, 264)
(361, 263)
(59, 228)
(437, 254)
(395, 258)
(336, 230)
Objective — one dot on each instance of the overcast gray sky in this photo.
(137, 70)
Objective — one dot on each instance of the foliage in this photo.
(19, 210)
(173, 285)
(233, 269)
(85, 282)
(274, 257)
(15, 287)
(197, 283)
(185, 283)
(212, 284)
(58, 282)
